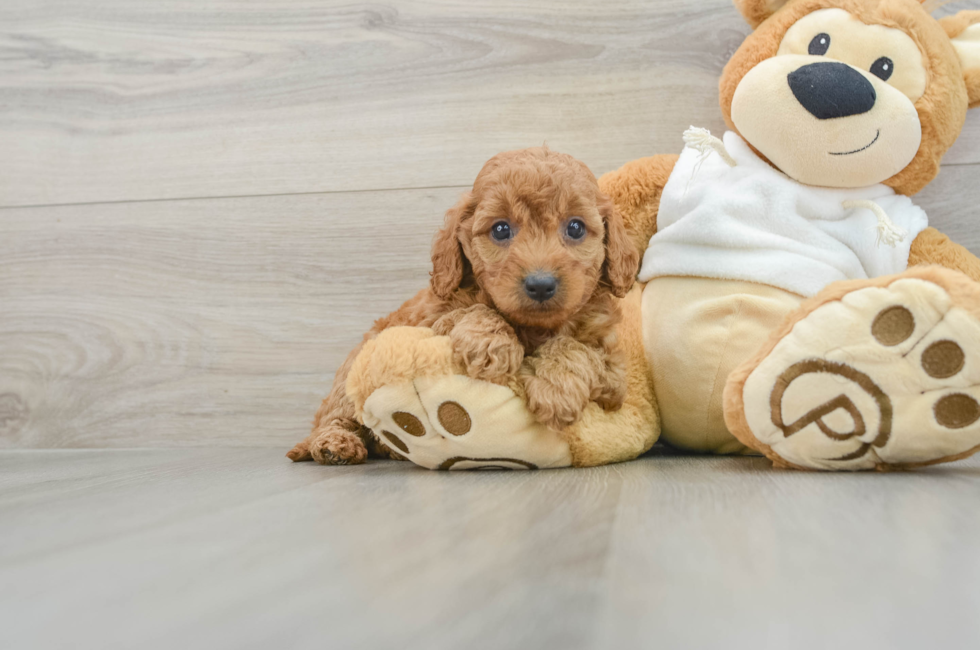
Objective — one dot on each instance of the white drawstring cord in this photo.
(888, 232)
(703, 142)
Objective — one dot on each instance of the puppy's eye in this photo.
(819, 45)
(575, 229)
(501, 231)
(883, 68)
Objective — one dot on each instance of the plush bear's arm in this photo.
(635, 188)
(933, 247)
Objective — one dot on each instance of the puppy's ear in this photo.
(448, 260)
(756, 11)
(622, 259)
(964, 31)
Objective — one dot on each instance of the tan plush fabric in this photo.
(696, 331)
(933, 247)
(870, 374)
(755, 11)
(427, 422)
(407, 389)
(398, 356)
(964, 30)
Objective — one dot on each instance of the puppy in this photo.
(525, 277)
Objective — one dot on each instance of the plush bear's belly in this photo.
(695, 332)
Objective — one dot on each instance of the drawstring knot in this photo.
(704, 143)
(888, 233)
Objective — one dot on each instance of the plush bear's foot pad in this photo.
(452, 422)
(885, 375)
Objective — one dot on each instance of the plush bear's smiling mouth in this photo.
(848, 153)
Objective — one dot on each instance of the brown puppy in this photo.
(525, 276)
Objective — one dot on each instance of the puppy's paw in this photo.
(300, 452)
(483, 343)
(560, 380)
(612, 393)
(612, 397)
(556, 401)
(495, 358)
(335, 445)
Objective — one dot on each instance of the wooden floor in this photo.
(240, 549)
(203, 205)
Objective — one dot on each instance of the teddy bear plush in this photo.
(792, 300)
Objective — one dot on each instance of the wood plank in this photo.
(107, 100)
(722, 555)
(204, 548)
(238, 548)
(189, 322)
(951, 202)
(221, 321)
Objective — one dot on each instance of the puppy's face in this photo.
(536, 244)
(538, 237)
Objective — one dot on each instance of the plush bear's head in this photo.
(849, 93)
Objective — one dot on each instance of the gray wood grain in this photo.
(952, 202)
(109, 100)
(188, 322)
(206, 548)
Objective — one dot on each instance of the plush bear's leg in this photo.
(696, 332)
(933, 247)
(868, 374)
(410, 388)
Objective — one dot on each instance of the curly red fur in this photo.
(563, 350)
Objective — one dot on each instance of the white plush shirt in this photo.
(752, 222)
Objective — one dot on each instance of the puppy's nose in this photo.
(540, 286)
(829, 89)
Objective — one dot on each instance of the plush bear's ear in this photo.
(964, 30)
(755, 11)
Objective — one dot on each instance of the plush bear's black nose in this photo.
(540, 286)
(829, 89)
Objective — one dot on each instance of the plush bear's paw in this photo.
(335, 445)
(874, 376)
(453, 422)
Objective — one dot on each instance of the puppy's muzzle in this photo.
(540, 287)
(829, 89)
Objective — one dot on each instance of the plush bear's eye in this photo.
(575, 229)
(883, 68)
(819, 45)
(501, 231)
